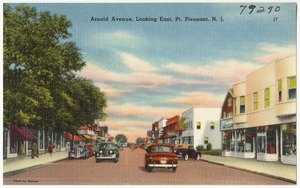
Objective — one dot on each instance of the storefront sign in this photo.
(226, 124)
(173, 134)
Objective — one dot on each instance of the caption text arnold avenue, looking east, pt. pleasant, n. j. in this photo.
(155, 19)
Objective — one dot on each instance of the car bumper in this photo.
(162, 165)
(106, 157)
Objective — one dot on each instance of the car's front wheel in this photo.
(174, 169)
(149, 169)
(186, 157)
(116, 160)
(97, 160)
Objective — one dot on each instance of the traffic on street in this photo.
(130, 170)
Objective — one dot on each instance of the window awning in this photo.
(68, 138)
(21, 133)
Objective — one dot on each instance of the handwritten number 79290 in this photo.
(261, 9)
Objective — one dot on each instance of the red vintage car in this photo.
(160, 155)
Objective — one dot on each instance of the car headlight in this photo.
(100, 151)
(110, 151)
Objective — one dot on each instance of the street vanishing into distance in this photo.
(130, 170)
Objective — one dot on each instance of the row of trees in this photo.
(40, 61)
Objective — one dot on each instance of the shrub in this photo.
(209, 146)
(217, 152)
(200, 148)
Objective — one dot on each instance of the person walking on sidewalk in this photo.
(34, 150)
(22, 150)
(50, 148)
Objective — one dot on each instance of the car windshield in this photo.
(107, 145)
(77, 146)
(161, 149)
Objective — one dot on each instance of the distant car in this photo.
(107, 151)
(79, 151)
(186, 151)
(160, 155)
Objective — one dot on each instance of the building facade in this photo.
(202, 127)
(19, 138)
(264, 114)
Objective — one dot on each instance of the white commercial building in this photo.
(202, 127)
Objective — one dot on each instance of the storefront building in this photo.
(202, 127)
(19, 139)
(264, 114)
(171, 131)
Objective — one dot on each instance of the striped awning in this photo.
(21, 133)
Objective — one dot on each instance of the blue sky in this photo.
(150, 70)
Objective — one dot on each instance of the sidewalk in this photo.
(19, 163)
(272, 169)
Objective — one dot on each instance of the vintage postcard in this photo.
(149, 93)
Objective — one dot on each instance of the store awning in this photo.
(21, 133)
(89, 137)
(68, 138)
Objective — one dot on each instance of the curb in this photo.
(252, 171)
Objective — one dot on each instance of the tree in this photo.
(182, 124)
(138, 141)
(120, 138)
(40, 62)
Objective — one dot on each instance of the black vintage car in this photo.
(186, 151)
(107, 151)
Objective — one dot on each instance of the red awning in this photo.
(68, 138)
(21, 133)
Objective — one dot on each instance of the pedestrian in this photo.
(22, 150)
(34, 150)
(132, 147)
(50, 148)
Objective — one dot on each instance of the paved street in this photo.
(130, 171)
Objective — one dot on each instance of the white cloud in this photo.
(132, 110)
(136, 64)
(199, 99)
(229, 71)
(274, 52)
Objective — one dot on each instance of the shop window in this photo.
(271, 139)
(198, 125)
(292, 87)
(242, 104)
(279, 90)
(250, 134)
(13, 146)
(289, 139)
(206, 140)
(261, 140)
(267, 98)
(212, 125)
(255, 99)
(232, 144)
(240, 140)
(226, 140)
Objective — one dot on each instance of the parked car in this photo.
(107, 151)
(79, 151)
(186, 151)
(160, 155)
